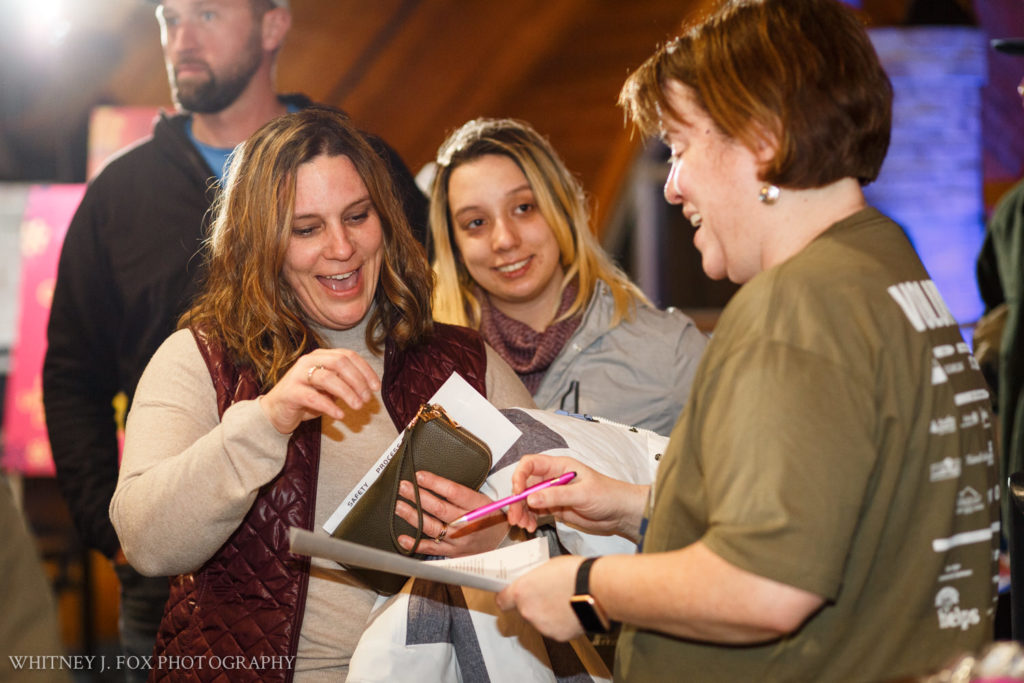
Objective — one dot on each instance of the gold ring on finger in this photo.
(309, 373)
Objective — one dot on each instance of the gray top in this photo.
(638, 372)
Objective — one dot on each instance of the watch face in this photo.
(590, 614)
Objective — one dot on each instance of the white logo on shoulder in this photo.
(969, 501)
(951, 615)
(955, 571)
(943, 425)
(970, 396)
(985, 457)
(922, 304)
(947, 468)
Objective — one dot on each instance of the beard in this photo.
(215, 93)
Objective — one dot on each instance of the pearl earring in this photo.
(769, 194)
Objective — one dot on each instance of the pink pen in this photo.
(498, 504)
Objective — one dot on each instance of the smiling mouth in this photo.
(512, 267)
(341, 282)
(695, 219)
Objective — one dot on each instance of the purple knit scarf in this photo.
(528, 352)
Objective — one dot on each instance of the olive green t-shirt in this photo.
(838, 439)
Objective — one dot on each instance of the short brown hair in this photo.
(804, 71)
(245, 301)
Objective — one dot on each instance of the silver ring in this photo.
(444, 532)
(309, 373)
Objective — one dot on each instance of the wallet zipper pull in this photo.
(434, 411)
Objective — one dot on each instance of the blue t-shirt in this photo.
(217, 157)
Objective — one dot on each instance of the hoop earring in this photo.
(769, 194)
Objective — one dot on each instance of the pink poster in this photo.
(47, 213)
(112, 128)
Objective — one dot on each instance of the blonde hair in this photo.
(245, 302)
(561, 201)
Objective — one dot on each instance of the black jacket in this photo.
(128, 269)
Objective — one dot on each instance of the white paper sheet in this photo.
(469, 408)
(489, 571)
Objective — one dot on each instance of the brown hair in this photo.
(245, 301)
(560, 199)
(802, 71)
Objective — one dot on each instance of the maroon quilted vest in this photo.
(244, 606)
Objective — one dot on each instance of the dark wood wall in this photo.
(411, 70)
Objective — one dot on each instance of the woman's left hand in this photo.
(442, 501)
(542, 597)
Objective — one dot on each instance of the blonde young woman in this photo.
(516, 259)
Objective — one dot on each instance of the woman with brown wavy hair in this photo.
(310, 346)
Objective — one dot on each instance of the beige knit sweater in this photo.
(188, 478)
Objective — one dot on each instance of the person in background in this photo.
(515, 257)
(827, 507)
(28, 622)
(1000, 270)
(130, 262)
(310, 346)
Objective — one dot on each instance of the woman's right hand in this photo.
(312, 386)
(592, 501)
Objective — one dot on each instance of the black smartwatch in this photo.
(588, 611)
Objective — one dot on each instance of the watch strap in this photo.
(586, 607)
(583, 576)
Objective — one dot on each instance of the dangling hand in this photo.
(312, 386)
